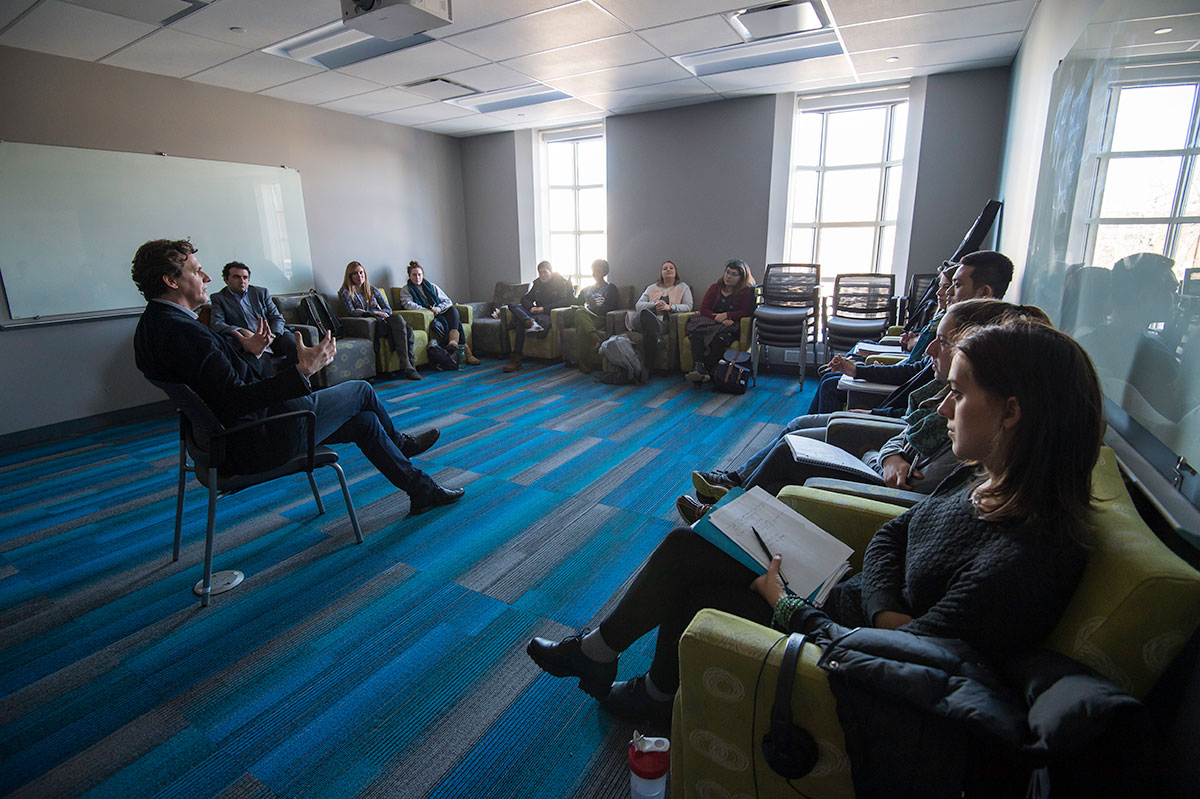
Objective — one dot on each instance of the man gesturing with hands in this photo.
(171, 345)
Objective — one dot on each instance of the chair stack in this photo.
(858, 311)
(787, 315)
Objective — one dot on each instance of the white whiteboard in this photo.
(71, 220)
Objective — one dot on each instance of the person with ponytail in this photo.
(447, 330)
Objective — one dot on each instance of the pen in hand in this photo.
(768, 553)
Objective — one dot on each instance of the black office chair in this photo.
(919, 305)
(858, 310)
(787, 314)
(202, 437)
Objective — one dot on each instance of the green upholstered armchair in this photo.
(685, 344)
(1136, 606)
(568, 340)
(420, 322)
(668, 342)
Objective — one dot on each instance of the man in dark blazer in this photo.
(170, 345)
(237, 309)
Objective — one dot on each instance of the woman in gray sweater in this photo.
(992, 557)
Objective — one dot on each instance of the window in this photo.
(845, 193)
(1147, 190)
(575, 212)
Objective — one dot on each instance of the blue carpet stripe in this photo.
(395, 668)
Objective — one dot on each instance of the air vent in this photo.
(334, 45)
(778, 19)
(439, 89)
(505, 99)
(155, 12)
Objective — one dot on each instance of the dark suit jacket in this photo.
(170, 346)
(227, 310)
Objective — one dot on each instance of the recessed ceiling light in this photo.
(1161, 31)
(892, 59)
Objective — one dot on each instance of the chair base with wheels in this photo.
(202, 442)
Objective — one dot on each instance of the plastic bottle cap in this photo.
(649, 758)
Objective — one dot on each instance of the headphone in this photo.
(789, 750)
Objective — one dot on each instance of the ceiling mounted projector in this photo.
(395, 19)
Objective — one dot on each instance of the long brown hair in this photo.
(1047, 473)
(365, 292)
(738, 265)
(984, 311)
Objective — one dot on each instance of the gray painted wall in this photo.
(374, 192)
(691, 184)
(490, 189)
(962, 140)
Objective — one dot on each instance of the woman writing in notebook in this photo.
(991, 557)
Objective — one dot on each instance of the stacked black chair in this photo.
(787, 314)
(858, 311)
(203, 437)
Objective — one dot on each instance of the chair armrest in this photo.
(896, 331)
(853, 520)
(417, 320)
(308, 333)
(894, 496)
(880, 359)
(561, 318)
(477, 309)
(358, 327)
(614, 322)
(464, 312)
(859, 436)
(310, 430)
(729, 668)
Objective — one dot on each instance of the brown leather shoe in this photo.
(690, 509)
(514, 363)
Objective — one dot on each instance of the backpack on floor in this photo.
(733, 373)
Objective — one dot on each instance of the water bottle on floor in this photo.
(649, 762)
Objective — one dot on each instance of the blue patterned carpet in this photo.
(395, 668)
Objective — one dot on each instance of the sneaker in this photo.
(535, 327)
(696, 377)
(711, 486)
(691, 510)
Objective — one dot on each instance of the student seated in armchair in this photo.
(593, 303)
(447, 330)
(992, 557)
(532, 314)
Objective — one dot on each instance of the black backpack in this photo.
(314, 310)
(733, 373)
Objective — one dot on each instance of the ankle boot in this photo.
(470, 359)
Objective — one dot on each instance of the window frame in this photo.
(890, 170)
(1189, 170)
(573, 135)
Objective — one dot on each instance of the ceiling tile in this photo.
(376, 102)
(254, 72)
(545, 30)
(151, 11)
(611, 52)
(692, 36)
(548, 111)
(11, 9)
(169, 52)
(264, 21)
(641, 96)
(1185, 29)
(939, 26)
(73, 31)
(660, 70)
(979, 48)
(488, 78)
(832, 66)
(643, 14)
(476, 123)
(849, 12)
(321, 88)
(429, 60)
(431, 112)
(472, 14)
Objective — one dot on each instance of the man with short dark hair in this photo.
(984, 274)
(237, 308)
(171, 346)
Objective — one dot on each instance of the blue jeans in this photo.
(828, 398)
(812, 422)
(351, 413)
